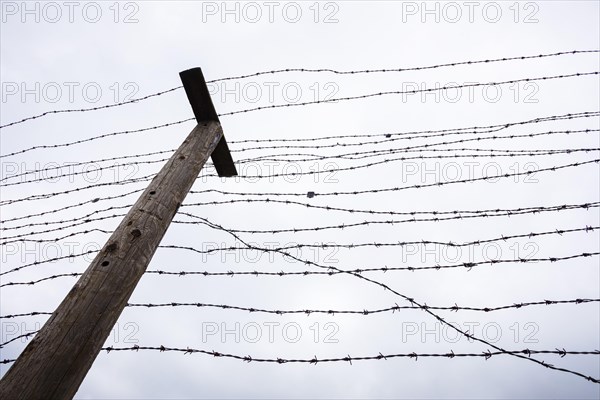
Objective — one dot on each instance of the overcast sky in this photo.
(57, 56)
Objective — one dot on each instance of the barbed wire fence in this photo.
(43, 224)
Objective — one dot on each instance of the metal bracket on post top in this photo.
(204, 110)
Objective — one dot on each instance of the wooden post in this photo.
(56, 361)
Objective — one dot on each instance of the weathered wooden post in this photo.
(56, 361)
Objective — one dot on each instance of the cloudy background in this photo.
(54, 57)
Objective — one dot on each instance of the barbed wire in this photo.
(484, 212)
(503, 211)
(43, 172)
(311, 157)
(474, 130)
(395, 189)
(25, 335)
(204, 221)
(13, 239)
(317, 70)
(413, 91)
(404, 158)
(54, 211)
(413, 355)
(425, 146)
(229, 273)
(123, 182)
(487, 129)
(20, 238)
(461, 130)
(394, 308)
(308, 311)
(49, 260)
(84, 172)
(414, 137)
(412, 301)
(425, 307)
(29, 314)
(67, 144)
(74, 110)
(516, 153)
(83, 217)
(117, 196)
(385, 70)
(454, 216)
(502, 238)
(490, 128)
(88, 162)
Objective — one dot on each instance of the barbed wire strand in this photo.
(460, 130)
(435, 213)
(137, 100)
(502, 238)
(413, 355)
(395, 189)
(44, 172)
(468, 266)
(333, 312)
(414, 91)
(412, 301)
(281, 249)
(25, 237)
(516, 153)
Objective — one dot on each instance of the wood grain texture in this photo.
(56, 361)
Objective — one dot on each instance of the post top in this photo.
(197, 93)
(204, 110)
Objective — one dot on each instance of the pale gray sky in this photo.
(64, 55)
